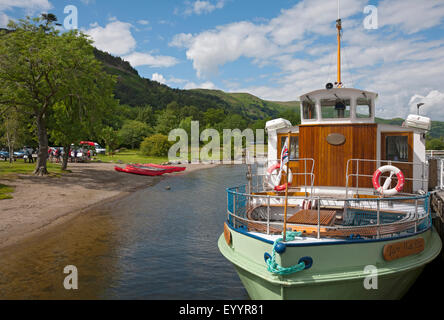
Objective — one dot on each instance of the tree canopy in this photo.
(52, 77)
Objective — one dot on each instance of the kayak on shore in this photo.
(149, 169)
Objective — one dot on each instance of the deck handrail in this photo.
(424, 180)
(308, 171)
(416, 216)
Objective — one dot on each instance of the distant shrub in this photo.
(155, 146)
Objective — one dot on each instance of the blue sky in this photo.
(276, 50)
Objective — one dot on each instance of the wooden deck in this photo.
(310, 217)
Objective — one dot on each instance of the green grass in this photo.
(131, 156)
(11, 170)
(134, 156)
(5, 192)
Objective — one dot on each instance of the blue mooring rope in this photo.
(274, 268)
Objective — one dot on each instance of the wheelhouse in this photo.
(339, 133)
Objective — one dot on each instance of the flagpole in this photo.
(286, 188)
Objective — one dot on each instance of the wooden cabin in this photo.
(338, 125)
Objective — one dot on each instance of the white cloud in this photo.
(115, 37)
(433, 104)
(182, 40)
(4, 20)
(30, 5)
(203, 7)
(137, 59)
(205, 85)
(411, 15)
(143, 22)
(159, 78)
(213, 48)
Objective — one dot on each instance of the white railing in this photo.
(369, 218)
(304, 168)
(435, 153)
(358, 164)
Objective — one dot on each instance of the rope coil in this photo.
(272, 265)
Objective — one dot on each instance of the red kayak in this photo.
(149, 169)
(158, 166)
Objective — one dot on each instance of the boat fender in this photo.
(280, 248)
(275, 179)
(383, 190)
(308, 261)
(354, 237)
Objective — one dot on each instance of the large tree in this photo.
(41, 68)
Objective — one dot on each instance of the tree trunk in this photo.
(65, 157)
(10, 143)
(40, 169)
(11, 153)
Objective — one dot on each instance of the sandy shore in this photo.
(41, 203)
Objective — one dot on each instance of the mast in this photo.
(339, 28)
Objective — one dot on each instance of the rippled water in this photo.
(154, 244)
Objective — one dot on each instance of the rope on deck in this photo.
(275, 268)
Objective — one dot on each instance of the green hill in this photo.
(134, 90)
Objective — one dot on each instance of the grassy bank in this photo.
(130, 156)
(135, 156)
(5, 192)
(11, 170)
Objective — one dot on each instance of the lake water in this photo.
(154, 244)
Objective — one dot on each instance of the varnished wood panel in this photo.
(331, 160)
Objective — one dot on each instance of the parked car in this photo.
(79, 153)
(4, 155)
(19, 154)
(99, 149)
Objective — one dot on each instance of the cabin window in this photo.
(335, 108)
(294, 147)
(364, 109)
(309, 110)
(397, 148)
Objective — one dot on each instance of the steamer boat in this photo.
(341, 210)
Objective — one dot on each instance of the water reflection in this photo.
(154, 244)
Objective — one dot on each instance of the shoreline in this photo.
(40, 204)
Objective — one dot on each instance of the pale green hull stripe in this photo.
(337, 272)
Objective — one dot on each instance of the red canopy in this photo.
(89, 143)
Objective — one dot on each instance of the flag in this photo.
(284, 154)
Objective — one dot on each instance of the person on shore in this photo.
(29, 156)
(58, 155)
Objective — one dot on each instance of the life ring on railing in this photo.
(275, 179)
(383, 190)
